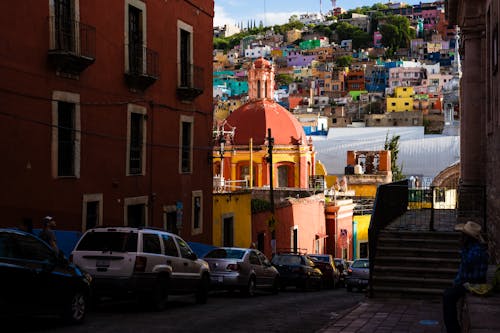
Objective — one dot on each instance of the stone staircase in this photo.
(414, 264)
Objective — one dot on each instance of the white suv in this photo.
(149, 263)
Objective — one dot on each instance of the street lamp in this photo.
(222, 142)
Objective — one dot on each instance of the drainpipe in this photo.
(354, 238)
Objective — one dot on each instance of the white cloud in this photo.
(221, 17)
(273, 18)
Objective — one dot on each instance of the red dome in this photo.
(254, 118)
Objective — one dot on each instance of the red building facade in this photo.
(105, 114)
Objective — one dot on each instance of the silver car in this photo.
(243, 269)
(358, 275)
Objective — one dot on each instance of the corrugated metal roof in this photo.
(419, 154)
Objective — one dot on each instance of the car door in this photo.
(190, 268)
(257, 268)
(174, 260)
(50, 281)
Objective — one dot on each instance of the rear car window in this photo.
(108, 241)
(151, 243)
(225, 254)
(360, 264)
(321, 258)
(287, 260)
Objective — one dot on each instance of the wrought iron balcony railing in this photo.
(143, 67)
(191, 81)
(72, 44)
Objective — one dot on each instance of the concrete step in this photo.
(410, 282)
(415, 271)
(406, 251)
(404, 292)
(427, 235)
(428, 262)
(419, 242)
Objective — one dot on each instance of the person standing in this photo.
(473, 267)
(47, 234)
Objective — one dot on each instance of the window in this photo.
(253, 258)
(91, 211)
(185, 54)
(197, 212)
(228, 230)
(151, 243)
(186, 251)
(363, 250)
(29, 248)
(186, 144)
(135, 211)
(65, 134)
(65, 139)
(169, 245)
(136, 140)
(135, 40)
(283, 171)
(64, 13)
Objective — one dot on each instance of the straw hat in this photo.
(471, 229)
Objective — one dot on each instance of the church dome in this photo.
(254, 118)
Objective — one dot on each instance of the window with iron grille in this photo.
(64, 25)
(185, 58)
(65, 139)
(135, 40)
(136, 143)
(186, 146)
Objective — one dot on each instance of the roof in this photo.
(419, 154)
(254, 118)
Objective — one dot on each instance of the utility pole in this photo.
(269, 159)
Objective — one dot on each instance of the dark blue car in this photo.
(37, 280)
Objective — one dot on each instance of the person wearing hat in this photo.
(47, 234)
(473, 267)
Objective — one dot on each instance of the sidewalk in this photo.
(390, 316)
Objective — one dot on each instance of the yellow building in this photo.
(232, 219)
(361, 223)
(403, 100)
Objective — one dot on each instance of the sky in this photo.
(272, 12)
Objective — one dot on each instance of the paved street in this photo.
(289, 311)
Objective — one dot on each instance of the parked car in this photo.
(358, 274)
(297, 270)
(342, 266)
(147, 263)
(37, 280)
(331, 274)
(243, 269)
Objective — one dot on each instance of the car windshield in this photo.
(360, 264)
(225, 254)
(287, 260)
(108, 241)
(320, 258)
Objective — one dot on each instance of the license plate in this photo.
(102, 263)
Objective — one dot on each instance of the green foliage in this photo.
(221, 44)
(396, 32)
(393, 146)
(259, 205)
(283, 79)
(360, 39)
(344, 61)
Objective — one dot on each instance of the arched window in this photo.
(258, 89)
(265, 91)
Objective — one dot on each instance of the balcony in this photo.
(72, 45)
(143, 69)
(191, 81)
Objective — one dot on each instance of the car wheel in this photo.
(250, 289)
(202, 292)
(159, 296)
(76, 309)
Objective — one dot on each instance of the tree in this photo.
(396, 32)
(283, 79)
(221, 44)
(293, 18)
(393, 146)
(344, 61)
(360, 39)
